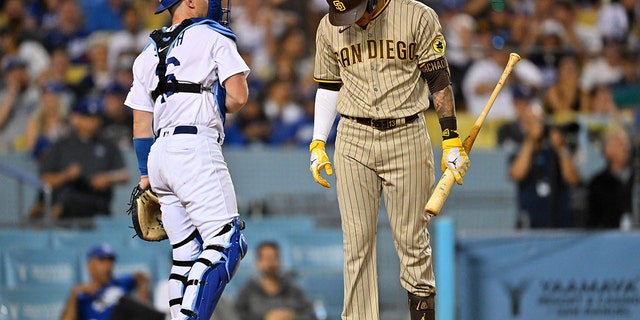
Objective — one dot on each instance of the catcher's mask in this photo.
(216, 11)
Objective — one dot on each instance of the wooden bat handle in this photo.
(446, 182)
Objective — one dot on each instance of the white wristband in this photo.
(325, 113)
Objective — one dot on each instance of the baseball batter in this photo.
(375, 64)
(183, 85)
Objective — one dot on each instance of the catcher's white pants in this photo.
(192, 181)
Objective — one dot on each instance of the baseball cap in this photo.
(14, 63)
(52, 86)
(115, 88)
(88, 106)
(101, 251)
(346, 12)
(522, 92)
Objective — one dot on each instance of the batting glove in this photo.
(319, 161)
(455, 158)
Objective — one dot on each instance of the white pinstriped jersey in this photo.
(379, 65)
(198, 55)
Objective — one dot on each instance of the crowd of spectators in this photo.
(580, 60)
(580, 69)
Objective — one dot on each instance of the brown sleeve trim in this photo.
(436, 73)
(330, 86)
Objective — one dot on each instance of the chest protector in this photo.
(163, 40)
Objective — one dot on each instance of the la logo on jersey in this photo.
(339, 5)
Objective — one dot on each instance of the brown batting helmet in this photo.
(347, 12)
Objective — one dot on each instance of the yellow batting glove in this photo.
(319, 161)
(455, 158)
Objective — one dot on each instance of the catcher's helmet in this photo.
(216, 11)
(347, 12)
(165, 4)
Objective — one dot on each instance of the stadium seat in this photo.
(18, 238)
(315, 204)
(318, 262)
(319, 249)
(24, 238)
(282, 223)
(83, 240)
(325, 286)
(116, 224)
(41, 266)
(40, 302)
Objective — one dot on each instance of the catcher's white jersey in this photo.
(198, 55)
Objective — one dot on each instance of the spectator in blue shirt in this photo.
(100, 296)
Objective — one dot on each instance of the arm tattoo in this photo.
(444, 103)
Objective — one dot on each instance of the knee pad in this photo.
(211, 272)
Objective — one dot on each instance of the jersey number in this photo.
(170, 77)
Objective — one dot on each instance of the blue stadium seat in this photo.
(41, 266)
(326, 286)
(317, 249)
(41, 302)
(282, 223)
(119, 224)
(83, 240)
(318, 261)
(24, 238)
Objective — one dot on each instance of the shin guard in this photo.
(211, 272)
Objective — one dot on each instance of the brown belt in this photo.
(383, 124)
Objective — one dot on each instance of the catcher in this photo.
(184, 83)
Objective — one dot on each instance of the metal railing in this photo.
(33, 181)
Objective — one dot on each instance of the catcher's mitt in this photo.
(144, 209)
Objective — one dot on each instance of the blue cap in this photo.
(52, 86)
(164, 5)
(101, 251)
(14, 63)
(522, 92)
(115, 88)
(89, 106)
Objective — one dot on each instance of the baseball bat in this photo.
(444, 186)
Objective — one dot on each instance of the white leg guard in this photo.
(184, 256)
